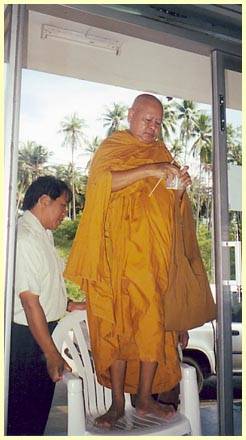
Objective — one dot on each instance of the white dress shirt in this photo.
(39, 270)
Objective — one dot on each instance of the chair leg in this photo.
(189, 398)
(76, 416)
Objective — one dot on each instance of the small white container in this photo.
(173, 183)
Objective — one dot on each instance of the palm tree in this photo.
(202, 147)
(234, 144)
(176, 149)
(32, 158)
(187, 115)
(72, 127)
(113, 117)
(192, 191)
(66, 173)
(169, 121)
(91, 148)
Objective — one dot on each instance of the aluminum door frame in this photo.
(15, 40)
(220, 61)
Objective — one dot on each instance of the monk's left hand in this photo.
(184, 181)
(184, 177)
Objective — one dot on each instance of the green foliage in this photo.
(235, 226)
(72, 127)
(63, 238)
(205, 245)
(73, 130)
(114, 117)
(234, 144)
(32, 163)
(74, 292)
(64, 235)
(169, 121)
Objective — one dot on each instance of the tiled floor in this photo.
(57, 423)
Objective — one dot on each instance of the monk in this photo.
(121, 259)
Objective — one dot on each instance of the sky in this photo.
(46, 99)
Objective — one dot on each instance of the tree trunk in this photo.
(73, 192)
(208, 210)
(20, 192)
(73, 189)
(198, 199)
(239, 225)
(186, 145)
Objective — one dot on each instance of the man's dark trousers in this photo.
(30, 387)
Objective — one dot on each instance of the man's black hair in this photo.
(48, 185)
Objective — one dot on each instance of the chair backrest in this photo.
(72, 340)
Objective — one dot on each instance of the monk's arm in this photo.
(122, 179)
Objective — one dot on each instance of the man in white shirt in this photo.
(40, 301)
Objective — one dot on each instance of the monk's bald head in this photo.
(145, 118)
(145, 100)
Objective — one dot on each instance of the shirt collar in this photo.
(30, 220)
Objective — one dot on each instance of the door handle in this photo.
(235, 333)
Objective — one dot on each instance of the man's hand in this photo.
(39, 328)
(74, 305)
(56, 366)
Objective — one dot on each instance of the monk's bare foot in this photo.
(150, 406)
(109, 419)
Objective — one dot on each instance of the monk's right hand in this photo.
(166, 170)
(56, 366)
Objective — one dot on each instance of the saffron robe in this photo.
(121, 258)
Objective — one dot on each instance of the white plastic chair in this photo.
(87, 399)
